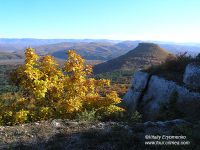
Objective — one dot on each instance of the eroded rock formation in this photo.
(149, 92)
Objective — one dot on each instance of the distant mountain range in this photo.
(144, 55)
(14, 44)
(90, 49)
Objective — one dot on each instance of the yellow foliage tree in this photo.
(53, 92)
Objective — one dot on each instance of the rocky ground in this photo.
(72, 135)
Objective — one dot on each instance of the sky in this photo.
(162, 20)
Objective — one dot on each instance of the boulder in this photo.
(192, 76)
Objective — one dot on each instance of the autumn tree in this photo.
(53, 92)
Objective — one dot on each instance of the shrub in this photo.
(87, 115)
(135, 117)
(173, 68)
(49, 91)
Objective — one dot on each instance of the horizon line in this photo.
(168, 41)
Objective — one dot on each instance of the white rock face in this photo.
(139, 83)
(140, 80)
(160, 91)
(192, 76)
(152, 91)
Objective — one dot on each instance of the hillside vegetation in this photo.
(143, 56)
(173, 67)
(9, 55)
(5, 84)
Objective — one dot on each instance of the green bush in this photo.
(87, 115)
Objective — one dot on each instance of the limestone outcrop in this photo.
(149, 92)
(134, 94)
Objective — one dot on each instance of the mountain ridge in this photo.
(144, 55)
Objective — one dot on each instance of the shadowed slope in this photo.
(144, 55)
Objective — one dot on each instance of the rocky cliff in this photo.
(150, 94)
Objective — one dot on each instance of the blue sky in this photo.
(163, 20)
